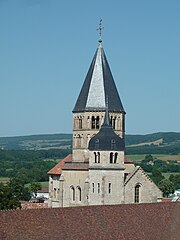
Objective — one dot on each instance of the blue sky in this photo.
(46, 47)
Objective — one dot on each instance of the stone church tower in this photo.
(97, 172)
(89, 109)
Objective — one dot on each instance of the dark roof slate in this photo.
(106, 139)
(110, 90)
(154, 221)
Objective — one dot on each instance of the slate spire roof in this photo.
(99, 84)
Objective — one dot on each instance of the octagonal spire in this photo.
(99, 84)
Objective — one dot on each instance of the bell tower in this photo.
(90, 107)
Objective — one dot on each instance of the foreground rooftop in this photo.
(156, 221)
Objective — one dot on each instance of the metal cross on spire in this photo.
(100, 30)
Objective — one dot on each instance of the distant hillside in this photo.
(37, 142)
(167, 137)
(160, 143)
(167, 142)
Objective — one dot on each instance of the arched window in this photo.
(97, 122)
(98, 155)
(114, 123)
(111, 158)
(79, 193)
(98, 188)
(95, 157)
(88, 122)
(80, 123)
(54, 192)
(93, 123)
(93, 187)
(137, 193)
(109, 188)
(72, 193)
(115, 157)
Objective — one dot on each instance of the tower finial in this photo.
(100, 30)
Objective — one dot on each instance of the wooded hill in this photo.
(37, 142)
(162, 142)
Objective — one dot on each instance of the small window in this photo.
(113, 144)
(93, 123)
(111, 158)
(98, 155)
(72, 192)
(95, 157)
(114, 123)
(80, 123)
(137, 193)
(109, 188)
(93, 187)
(97, 122)
(115, 157)
(98, 187)
(79, 193)
(54, 192)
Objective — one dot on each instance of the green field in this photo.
(165, 157)
(44, 184)
(166, 175)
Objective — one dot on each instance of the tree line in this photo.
(30, 166)
(15, 191)
(156, 167)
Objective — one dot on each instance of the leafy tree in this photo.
(145, 167)
(156, 176)
(166, 187)
(148, 158)
(175, 179)
(7, 198)
(34, 187)
(17, 188)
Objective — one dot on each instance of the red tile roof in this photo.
(58, 168)
(154, 221)
(30, 205)
(127, 160)
(67, 164)
(75, 166)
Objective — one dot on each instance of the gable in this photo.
(148, 191)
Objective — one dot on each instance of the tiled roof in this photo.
(127, 160)
(154, 221)
(75, 166)
(67, 164)
(58, 168)
(30, 205)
